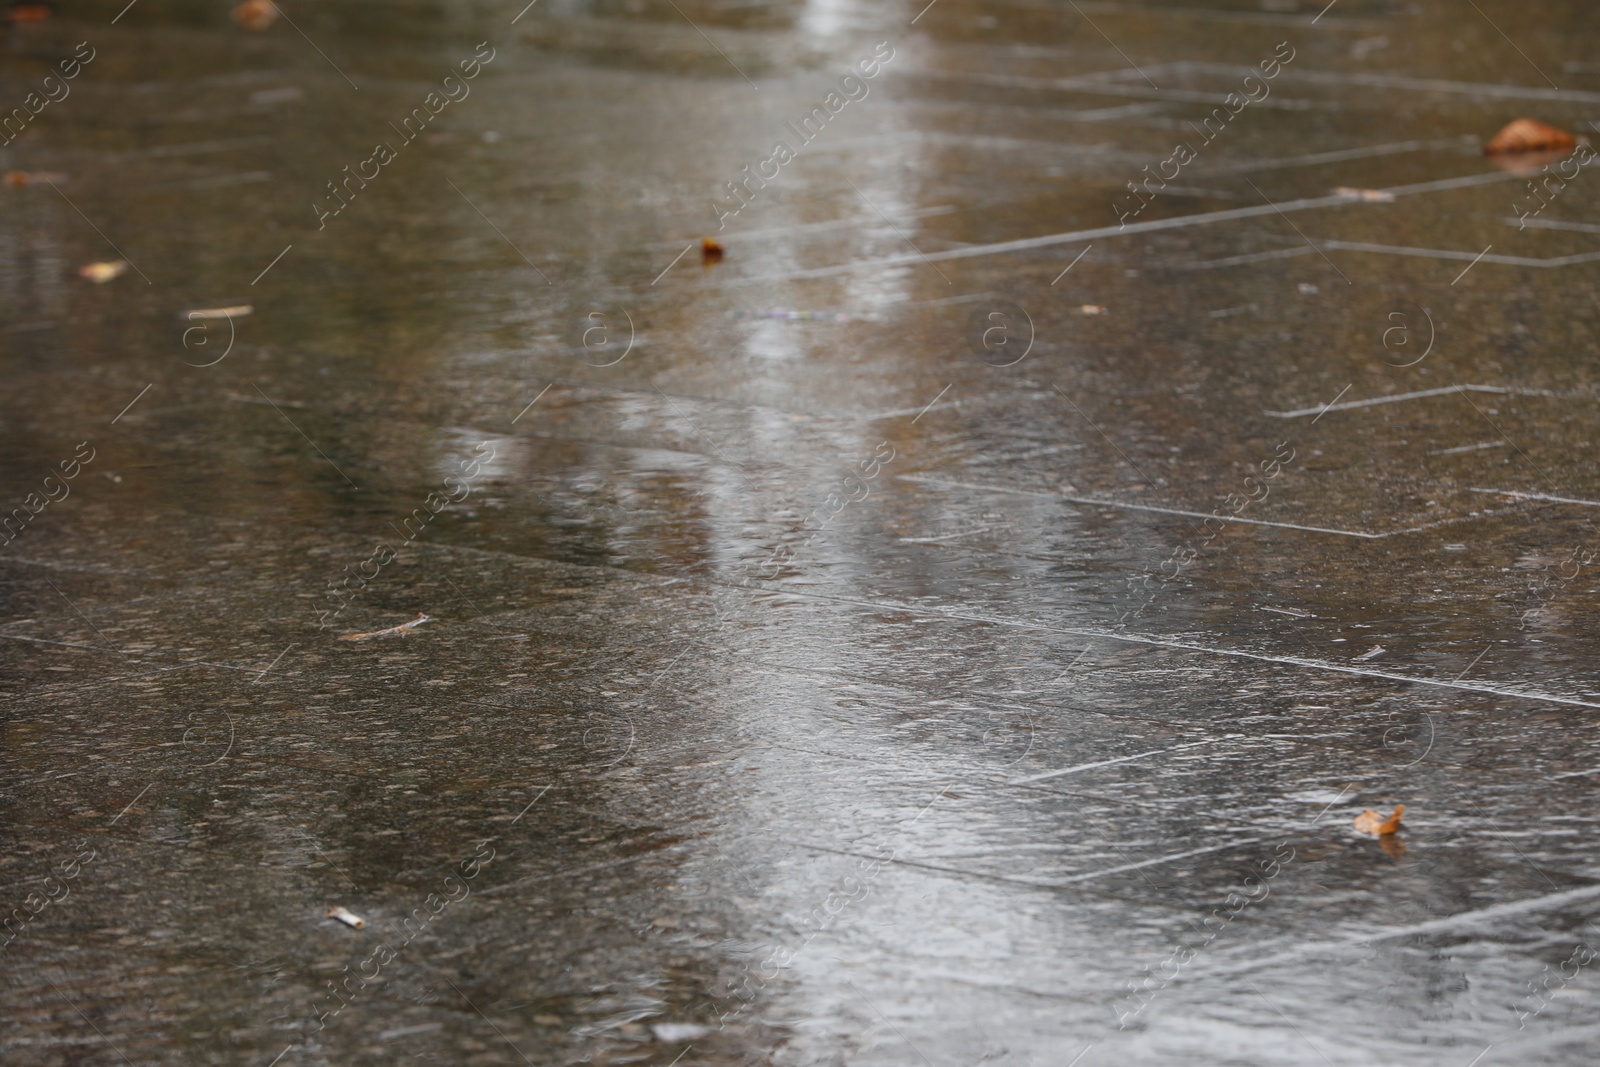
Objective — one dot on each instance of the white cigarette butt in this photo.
(349, 918)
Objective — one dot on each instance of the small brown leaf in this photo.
(1370, 822)
(19, 179)
(24, 13)
(256, 14)
(100, 273)
(710, 251)
(1528, 135)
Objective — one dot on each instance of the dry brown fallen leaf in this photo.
(100, 273)
(24, 13)
(256, 14)
(710, 251)
(18, 179)
(1370, 822)
(1528, 135)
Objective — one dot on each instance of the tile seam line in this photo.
(1024, 244)
(154, 666)
(1155, 642)
(1091, 502)
(1554, 262)
(1423, 394)
(994, 700)
(1095, 502)
(1068, 882)
(9, 699)
(621, 393)
(1541, 498)
(487, 701)
(1211, 14)
(1354, 23)
(1467, 919)
(1434, 85)
(1079, 887)
(1114, 89)
(1312, 76)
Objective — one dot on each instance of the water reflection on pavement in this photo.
(952, 617)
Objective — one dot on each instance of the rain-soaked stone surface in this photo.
(959, 625)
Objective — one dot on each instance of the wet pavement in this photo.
(958, 624)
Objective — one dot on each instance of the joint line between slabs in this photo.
(1129, 229)
(1154, 641)
(1096, 502)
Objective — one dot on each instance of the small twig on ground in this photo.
(402, 630)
